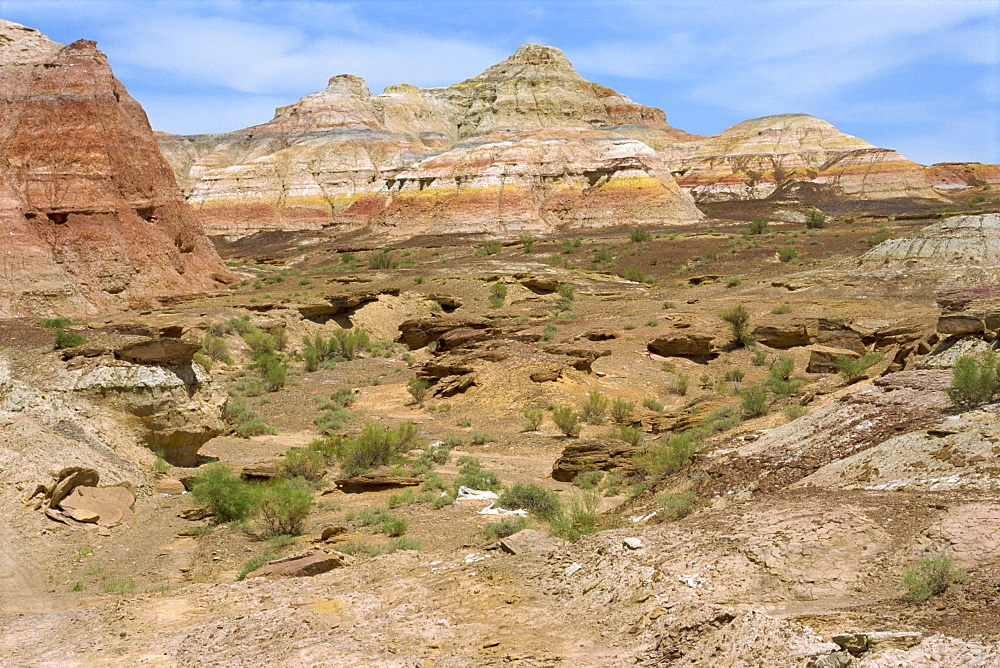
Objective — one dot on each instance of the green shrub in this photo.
(527, 241)
(754, 403)
(382, 521)
(579, 518)
(588, 480)
(678, 506)
(594, 407)
(567, 420)
(491, 247)
(382, 260)
(815, 220)
(794, 412)
(621, 410)
(639, 235)
(738, 318)
(653, 404)
(471, 474)
(974, 382)
(273, 371)
(227, 495)
(637, 275)
(216, 348)
(787, 254)
(284, 507)
(256, 561)
(244, 420)
(66, 339)
(480, 437)
(734, 376)
(758, 226)
(532, 418)
(853, 369)
(260, 343)
(58, 322)
(929, 577)
(782, 308)
(549, 332)
(679, 386)
(302, 463)
(508, 526)
(733, 281)
(629, 434)
(538, 501)
(375, 446)
(417, 387)
(671, 455)
(351, 341)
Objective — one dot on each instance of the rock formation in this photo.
(778, 156)
(959, 175)
(527, 145)
(90, 213)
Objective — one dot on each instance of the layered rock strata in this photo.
(527, 145)
(90, 214)
(784, 155)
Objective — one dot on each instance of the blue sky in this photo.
(919, 76)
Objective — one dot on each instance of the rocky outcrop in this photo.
(90, 213)
(527, 145)
(959, 175)
(594, 455)
(793, 155)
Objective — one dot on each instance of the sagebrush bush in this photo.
(508, 526)
(754, 403)
(417, 387)
(974, 382)
(382, 521)
(621, 410)
(738, 318)
(375, 446)
(758, 226)
(671, 455)
(815, 220)
(65, 339)
(58, 322)
(302, 463)
(629, 434)
(471, 474)
(595, 407)
(537, 500)
(653, 404)
(929, 577)
(567, 420)
(639, 235)
(227, 495)
(284, 506)
(216, 348)
(532, 418)
(382, 260)
(244, 420)
(678, 506)
(580, 517)
(853, 369)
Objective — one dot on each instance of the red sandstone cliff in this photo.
(90, 214)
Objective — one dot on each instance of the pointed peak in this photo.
(537, 54)
(531, 61)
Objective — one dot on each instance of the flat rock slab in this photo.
(170, 351)
(531, 540)
(69, 479)
(312, 563)
(106, 506)
(373, 482)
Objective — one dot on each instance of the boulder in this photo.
(783, 336)
(959, 325)
(583, 357)
(683, 344)
(69, 479)
(823, 359)
(303, 565)
(165, 351)
(373, 482)
(108, 506)
(263, 470)
(418, 332)
(593, 455)
(530, 540)
(169, 486)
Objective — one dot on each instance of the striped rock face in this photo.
(91, 217)
(769, 156)
(527, 145)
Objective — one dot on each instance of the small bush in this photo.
(532, 418)
(567, 420)
(679, 386)
(375, 446)
(549, 332)
(382, 260)
(754, 403)
(738, 318)
(58, 322)
(508, 526)
(670, 456)
(782, 308)
(215, 347)
(527, 241)
(794, 412)
(594, 407)
(284, 506)
(733, 281)
(227, 495)
(480, 437)
(639, 235)
(853, 369)
(929, 577)
(382, 521)
(653, 404)
(588, 480)
(759, 226)
(787, 254)
(629, 434)
(815, 220)
(66, 339)
(417, 387)
(678, 506)
(302, 463)
(491, 247)
(974, 382)
(471, 474)
(621, 410)
(579, 518)
(536, 500)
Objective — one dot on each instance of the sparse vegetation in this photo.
(67, 339)
(225, 494)
(639, 235)
(930, 576)
(417, 387)
(284, 506)
(621, 410)
(471, 474)
(595, 407)
(738, 318)
(854, 369)
(567, 420)
(537, 500)
(532, 418)
(758, 226)
(974, 382)
(815, 220)
(508, 526)
(678, 506)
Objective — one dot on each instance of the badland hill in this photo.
(713, 378)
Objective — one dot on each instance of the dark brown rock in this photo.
(593, 455)
(373, 482)
(168, 352)
(312, 563)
